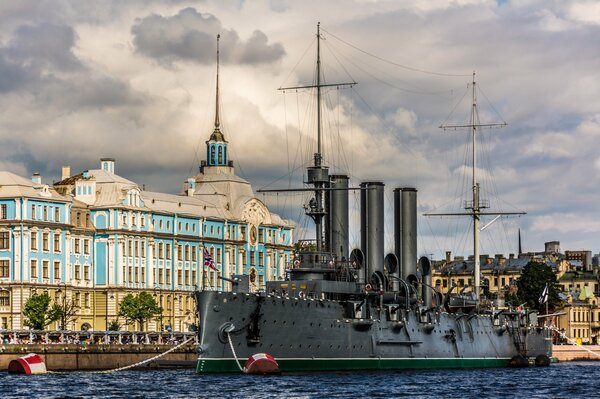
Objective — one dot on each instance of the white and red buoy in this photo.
(261, 363)
(30, 364)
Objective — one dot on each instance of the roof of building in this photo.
(220, 187)
(179, 204)
(12, 185)
(579, 275)
(495, 265)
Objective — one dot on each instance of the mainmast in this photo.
(475, 206)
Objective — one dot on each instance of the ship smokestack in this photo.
(405, 231)
(338, 216)
(371, 222)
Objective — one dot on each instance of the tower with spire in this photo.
(216, 146)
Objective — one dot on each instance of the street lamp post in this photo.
(63, 316)
(106, 312)
(159, 297)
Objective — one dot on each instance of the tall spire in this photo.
(217, 135)
(216, 146)
(217, 121)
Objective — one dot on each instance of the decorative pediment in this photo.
(256, 213)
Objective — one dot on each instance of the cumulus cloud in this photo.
(44, 45)
(405, 119)
(190, 35)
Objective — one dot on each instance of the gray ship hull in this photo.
(314, 335)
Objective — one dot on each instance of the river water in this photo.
(563, 380)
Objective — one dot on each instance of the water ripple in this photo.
(558, 381)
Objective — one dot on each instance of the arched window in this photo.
(220, 155)
(212, 154)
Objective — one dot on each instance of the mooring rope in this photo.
(563, 335)
(144, 361)
(131, 365)
(233, 351)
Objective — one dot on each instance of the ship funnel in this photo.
(338, 216)
(405, 231)
(371, 223)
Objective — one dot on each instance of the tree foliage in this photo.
(114, 326)
(139, 308)
(68, 312)
(531, 283)
(38, 312)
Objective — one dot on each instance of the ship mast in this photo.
(317, 175)
(317, 212)
(475, 206)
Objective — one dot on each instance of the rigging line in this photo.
(300, 136)
(196, 156)
(287, 143)
(284, 176)
(331, 49)
(455, 106)
(299, 60)
(386, 125)
(490, 104)
(420, 92)
(392, 62)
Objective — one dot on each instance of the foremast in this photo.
(317, 174)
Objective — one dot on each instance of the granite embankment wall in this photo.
(69, 357)
(568, 353)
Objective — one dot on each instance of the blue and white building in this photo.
(95, 237)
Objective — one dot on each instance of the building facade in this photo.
(95, 237)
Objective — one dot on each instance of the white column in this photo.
(18, 242)
(151, 264)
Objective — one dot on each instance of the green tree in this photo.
(139, 308)
(68, 311)
(531, 283)
(38, 312)
(114, 326)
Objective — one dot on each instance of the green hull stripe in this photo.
(309, 364)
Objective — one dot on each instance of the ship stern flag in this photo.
(208, 260)
(544, 295)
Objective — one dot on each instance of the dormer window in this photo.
(132, 198)
(45, 191)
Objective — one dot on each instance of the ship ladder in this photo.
(516, 335)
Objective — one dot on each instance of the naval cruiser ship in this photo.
(363, 309)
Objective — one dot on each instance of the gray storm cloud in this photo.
(190, 35)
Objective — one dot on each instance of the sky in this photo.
(135, 80)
